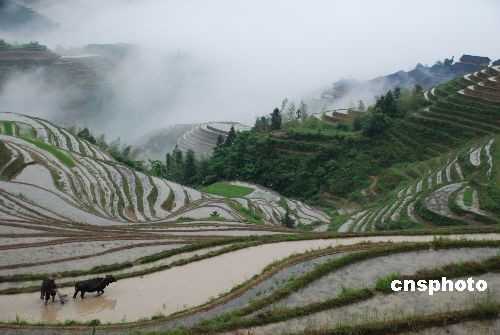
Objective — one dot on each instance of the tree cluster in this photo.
(279, 117)
(394, 104)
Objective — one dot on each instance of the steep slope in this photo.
(455, 188)
(15, 17)
(50, 174)
(347, 91)
(76, 86)
(202, 139)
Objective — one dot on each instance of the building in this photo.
(475, 60)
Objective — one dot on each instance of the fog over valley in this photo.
(189, 167)
(196, 61)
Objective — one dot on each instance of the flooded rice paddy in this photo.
(387, 307)
(365, 273)
(181, 287)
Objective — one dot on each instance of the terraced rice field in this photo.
(226, 265)
(202, 139)
(463, 108)
(68, 210)
(51, 175)
(315, 269)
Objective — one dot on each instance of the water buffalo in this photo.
(93, 285)
(48, 289)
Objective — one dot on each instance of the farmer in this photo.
(48, 289)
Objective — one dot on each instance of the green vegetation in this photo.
(14, 167)
(169, 203)
(62, 156)
(309, 159)
(228, 190)
(29, 46)
(8, 128)
(468, 196)
(249, 214)
(384, 284)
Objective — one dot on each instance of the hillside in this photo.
(330, 163)
(458, 186)
(77, 80)
(347, 92)
(16, 17)
(202, 139)
(219, 261)
(51, 174)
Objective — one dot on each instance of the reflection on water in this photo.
(49, 312)
(174, 289)
(92, 305)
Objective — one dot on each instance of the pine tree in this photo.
(265, 123)
(276, 119)
(157, 168)
(287, 221)
(397, 93)
(230, 137)
(220, 140)
(303, 111)
(178, 166)
(190, 170)
(168, 166)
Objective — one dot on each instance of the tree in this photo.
(265, 123)
(190, 170)
(220, 140)
(448, 62)
(290, 115)
(397, 93)
(86, 135)
(230, 137)
(357, 123)
(169, 164)
(178, 166)
(3, 44)
(303, 111)
(387, 104)
(157, 168)
(276, 119)
(203, 171)
(287, 221)
(376, 124)
(361, 106)
(126, 152)
(261, 124)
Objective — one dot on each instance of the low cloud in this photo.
(234, 60)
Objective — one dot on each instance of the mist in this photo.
(199, 61)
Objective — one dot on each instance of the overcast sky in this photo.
(245, 56)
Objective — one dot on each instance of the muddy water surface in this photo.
(175, 289)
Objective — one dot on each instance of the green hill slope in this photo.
(367, 161)
(48, 174)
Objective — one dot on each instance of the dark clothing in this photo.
(48, 290)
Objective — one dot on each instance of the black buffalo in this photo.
(48, 289)
(93, 285)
